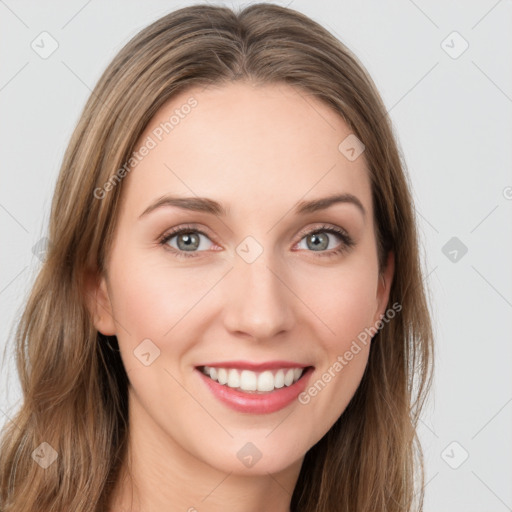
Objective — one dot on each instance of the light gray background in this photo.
(452, 117)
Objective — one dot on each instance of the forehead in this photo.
(243, 144)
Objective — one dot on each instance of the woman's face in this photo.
(247, 283)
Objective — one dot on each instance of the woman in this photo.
(231, 314)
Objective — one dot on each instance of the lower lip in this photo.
(257, 403)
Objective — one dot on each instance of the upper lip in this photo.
(255, 367)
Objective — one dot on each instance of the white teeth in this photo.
(279, 379)
(288, 378)
(222, 375)
(266, 381)
(247, 380)
(233, 379)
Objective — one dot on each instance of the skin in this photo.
(258, 150)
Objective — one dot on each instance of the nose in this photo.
(258, 302)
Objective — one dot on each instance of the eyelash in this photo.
(346, 244)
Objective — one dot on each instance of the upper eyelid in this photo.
(204, 231)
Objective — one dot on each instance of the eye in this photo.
(319, 240)
(188, 240)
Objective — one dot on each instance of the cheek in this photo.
(151, 299)
(343, 299)
(345, 303)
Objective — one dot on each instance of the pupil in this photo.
(188, 240)
(317, 240)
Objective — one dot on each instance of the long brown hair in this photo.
(73, 381)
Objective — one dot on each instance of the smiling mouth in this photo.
(249, 381)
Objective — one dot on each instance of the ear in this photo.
(98, 303)
(384, 287)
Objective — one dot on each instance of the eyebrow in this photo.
(206, 205)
